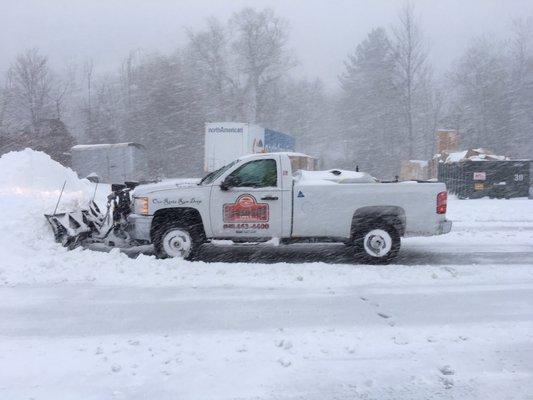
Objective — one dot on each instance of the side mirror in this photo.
(229, 182)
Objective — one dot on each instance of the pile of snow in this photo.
(30, 184)
(31, 171)
(333, 176)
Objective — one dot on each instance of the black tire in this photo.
(163, 229)
(382, 242)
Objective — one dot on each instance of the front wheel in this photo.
(175, 240)
(377, 243)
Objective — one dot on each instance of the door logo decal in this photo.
(245, 209)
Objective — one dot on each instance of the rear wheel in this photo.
(176, 240)
(377, 243)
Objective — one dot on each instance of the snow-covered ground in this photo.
(453, 319)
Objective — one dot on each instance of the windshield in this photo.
(210, 177)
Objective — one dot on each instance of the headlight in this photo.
(141, 205)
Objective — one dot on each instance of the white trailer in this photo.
(113, 163)
(227, 141)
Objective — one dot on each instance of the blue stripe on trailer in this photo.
(278, 141)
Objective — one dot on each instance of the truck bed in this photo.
(327, 208)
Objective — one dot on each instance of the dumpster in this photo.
(495, 179)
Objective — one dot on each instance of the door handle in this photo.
(269, 198)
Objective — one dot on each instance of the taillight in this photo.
(442, 197)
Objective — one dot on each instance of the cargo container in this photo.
(227, 141)
(494, 179)
(113, 163)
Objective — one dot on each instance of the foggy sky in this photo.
(322, 32)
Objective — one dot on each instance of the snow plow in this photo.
(89, 225)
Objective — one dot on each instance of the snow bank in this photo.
(30, 184)
(30, 171)
(29, 187)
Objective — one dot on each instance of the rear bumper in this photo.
(139, 226)
(444, 227)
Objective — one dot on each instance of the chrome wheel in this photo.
(177, 243)
(377, 243)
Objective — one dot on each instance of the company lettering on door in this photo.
(246, 213)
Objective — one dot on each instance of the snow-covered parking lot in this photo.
(453, 319)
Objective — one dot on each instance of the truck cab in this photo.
(250, 200)
(261, 196)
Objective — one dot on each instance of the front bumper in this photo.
(139, 226)
(444, 227)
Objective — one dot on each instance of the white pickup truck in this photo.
(260, 196)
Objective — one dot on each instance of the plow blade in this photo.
(89, 227)
(71, 228)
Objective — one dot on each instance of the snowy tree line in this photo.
(386, 109)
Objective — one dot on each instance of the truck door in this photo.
(252, 206)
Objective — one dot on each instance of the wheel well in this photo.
(190, 216)
(393, 215)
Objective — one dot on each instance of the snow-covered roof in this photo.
(294, 154)
(287, 153)
(481, 150)
(106, 146)
(457, 156)
(485, 157)
(165, 184)
(478, 154)
(446, 130)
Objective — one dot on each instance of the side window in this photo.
(258, 173)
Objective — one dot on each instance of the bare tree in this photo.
(128, 75)
(88, 70)
(370, 106)
(63, 86)
(208, 52)
(241, 63)
(521, 86)
(31, 86)
(412, 67)
(5, 102)
(481, 83)
(521, 48)
(261, 47)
